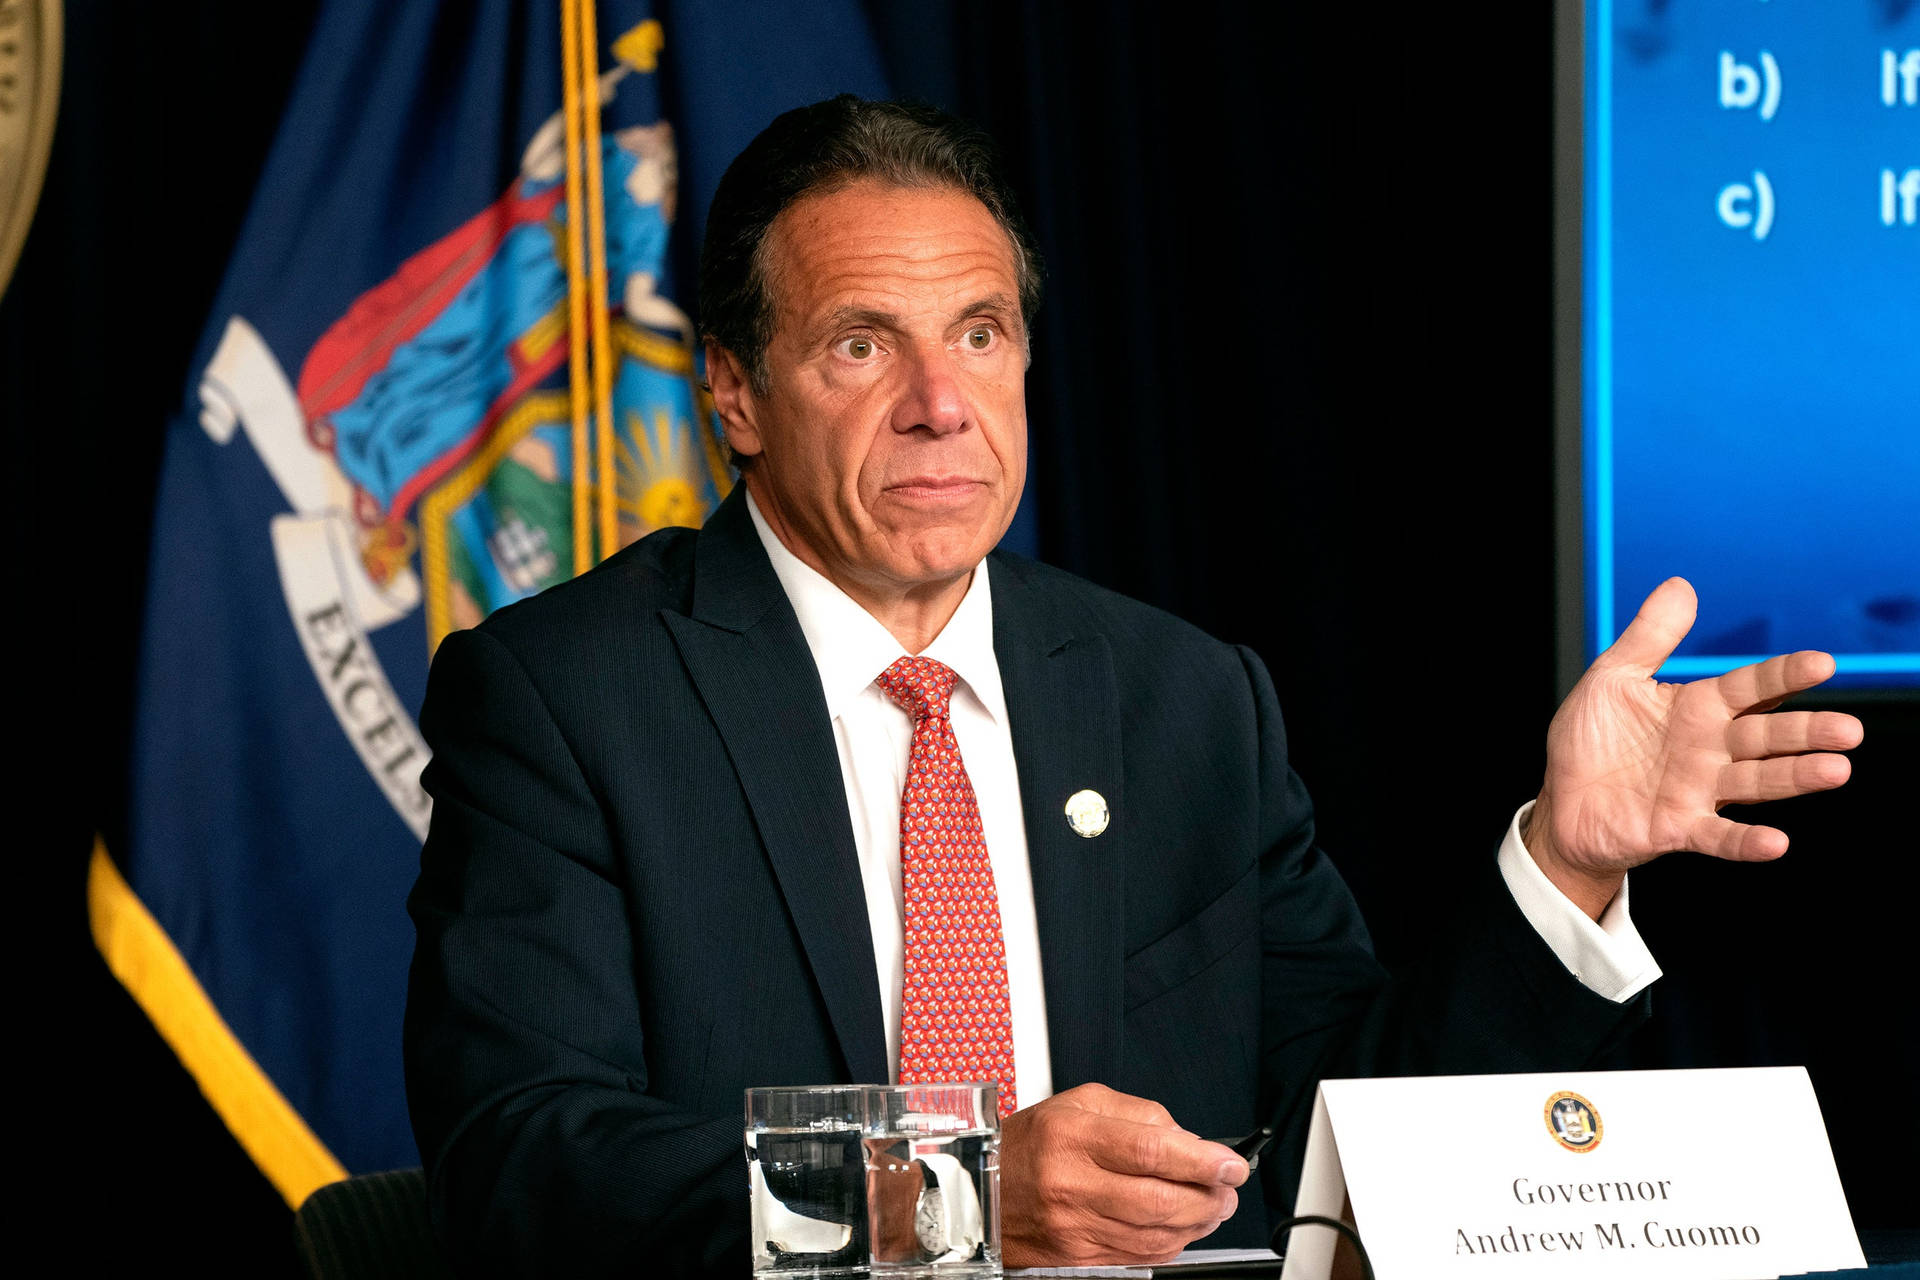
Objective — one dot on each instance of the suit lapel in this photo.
(1065, 718)
(748, 658)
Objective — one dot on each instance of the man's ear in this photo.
(733, 399)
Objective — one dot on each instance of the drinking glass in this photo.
(933, 1180)
(806, 1180)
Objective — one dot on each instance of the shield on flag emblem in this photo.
(425, 450)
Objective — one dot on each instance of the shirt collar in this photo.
(850, 646)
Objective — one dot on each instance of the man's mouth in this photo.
(935, 488)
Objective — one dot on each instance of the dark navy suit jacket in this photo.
(640, 896)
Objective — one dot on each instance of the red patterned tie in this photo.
(955, 1022)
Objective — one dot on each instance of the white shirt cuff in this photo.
(1608, 957)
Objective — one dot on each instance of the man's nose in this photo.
(933, 399)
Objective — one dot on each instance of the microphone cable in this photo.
(1282, 1233)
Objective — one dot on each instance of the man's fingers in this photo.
(1157, 1202)
(1736, 841)
(1102, 1101)
(1756, 737)
(1174, 1155)
(1664, 619)
(1148, 1247)
(1764, 684)
(1753, 781)
(1080, 1183)
(1146, 1170)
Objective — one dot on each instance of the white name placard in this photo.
(1709, 1175)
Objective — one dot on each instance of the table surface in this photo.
(1891, 1255)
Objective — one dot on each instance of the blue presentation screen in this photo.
(1751, 326)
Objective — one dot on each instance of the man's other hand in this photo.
(1637, 768)
(1091, 1175)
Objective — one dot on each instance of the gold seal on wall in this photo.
(29, 100)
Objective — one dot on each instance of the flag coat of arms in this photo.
(451, 364)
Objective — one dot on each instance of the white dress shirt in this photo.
(1609, 957)
(874, 737)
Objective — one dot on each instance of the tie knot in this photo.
(919, 686)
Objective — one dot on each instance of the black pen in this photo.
(1248, 1148)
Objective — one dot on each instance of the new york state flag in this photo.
(440, 376)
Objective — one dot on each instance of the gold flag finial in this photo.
(640, 47)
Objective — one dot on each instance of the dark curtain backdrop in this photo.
(1292, 382)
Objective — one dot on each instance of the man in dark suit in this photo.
(662, 865)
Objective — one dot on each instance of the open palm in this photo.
(1637, 768)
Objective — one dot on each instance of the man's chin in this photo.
(949, 541)
(940, 562)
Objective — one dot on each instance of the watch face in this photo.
(930, 1222)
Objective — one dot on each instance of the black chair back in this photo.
(371, 1226)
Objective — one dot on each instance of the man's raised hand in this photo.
(1091, 1175)
(1637, 768)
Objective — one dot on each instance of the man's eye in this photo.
(857, 348)
(980, 339)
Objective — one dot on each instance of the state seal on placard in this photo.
(1573, 1122)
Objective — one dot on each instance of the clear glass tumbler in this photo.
(806, 1177)
(933, 1179)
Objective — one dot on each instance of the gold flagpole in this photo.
(576, 279)
(602, 363)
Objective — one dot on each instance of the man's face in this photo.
(891, 441)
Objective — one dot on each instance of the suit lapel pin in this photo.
(1087, 813)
